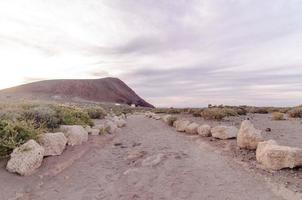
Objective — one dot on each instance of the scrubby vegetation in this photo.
(295, 112)
(218, 113)
(16, 133)
(167, 110)
(24, 121)
(72, 115)
(96, 112)
(277, 116)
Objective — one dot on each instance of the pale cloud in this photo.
(173, 53)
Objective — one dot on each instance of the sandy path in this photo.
(147, 160)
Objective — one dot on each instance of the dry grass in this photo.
(218, 113)
(277, 116)
(295, 112)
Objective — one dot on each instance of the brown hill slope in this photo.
(111, 90)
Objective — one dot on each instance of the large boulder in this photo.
(224, 132)
(111, 126)
(53, 143)
(192, 128)
(181, 125)
(204, 130)
(121, 123)
(248, 136)
(169, 119)
(25, 159)
(275, 157)
(75, 134)
(149, 114)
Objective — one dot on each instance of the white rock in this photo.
(182, 125)
(95, 132)
(248, 136)
(75, 134)
(176, 122)
(26, 159)
(224, 132)
(204, 130)
(121, 123)
(53, 143)
(169, 119)
(112, 127)
(275, 157)
(192, 128)
(166, 118)
(149, 114)
(156, 117)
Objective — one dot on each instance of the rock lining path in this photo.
(147, 160)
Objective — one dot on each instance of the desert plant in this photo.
(277, 116)
(14, 134)
(295, 112)
(229, 112)
(241, 111)
(42, 115)
(197, 113)
(71, 115)
(96, 112)
(259, 110)
(213, 114)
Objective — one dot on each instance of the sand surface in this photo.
(146, 160)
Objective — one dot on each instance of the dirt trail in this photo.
(146, 160)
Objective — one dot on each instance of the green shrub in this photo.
(96, 112)
(14, 134)
(213, 114)
(70, 115)
(259, 110)
(277, 116)
(197, 113)
(295, 112)
(241, 111)
(218, 113)
(42, 116)
(229, 112)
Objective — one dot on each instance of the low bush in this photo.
(43, 116)
(259, 110)
(295, 112)
(213, 114)
(96, 112)
(241, 111)
(197, 113)
(277, 116)
(218, 113)
(14, 134)
(71, 115)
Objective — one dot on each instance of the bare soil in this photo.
(146, 160)
(286, 132)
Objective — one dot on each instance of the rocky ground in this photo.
(150, 160)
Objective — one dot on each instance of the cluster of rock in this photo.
(25, 159)
(269, 154)
(152, 115)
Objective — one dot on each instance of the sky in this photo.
(184, 53)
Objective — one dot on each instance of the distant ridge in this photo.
(111, 90)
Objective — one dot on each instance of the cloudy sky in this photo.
(172, 53)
